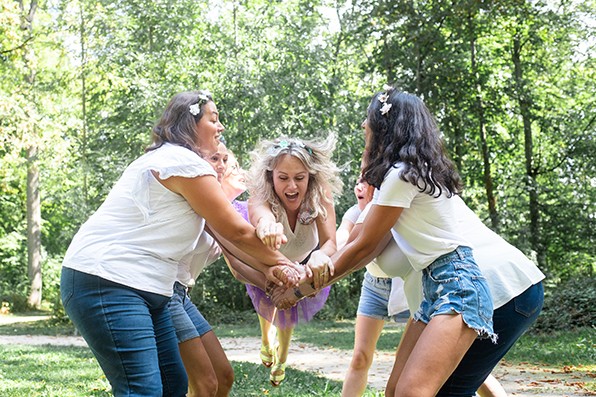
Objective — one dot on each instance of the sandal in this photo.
(278, 372)
(266, 356)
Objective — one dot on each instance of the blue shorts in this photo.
(188, 321)
(374, 297)
(453, 283)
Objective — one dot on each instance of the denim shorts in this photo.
(374, 297)
(453, 283)
(188, 321)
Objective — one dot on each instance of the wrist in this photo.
(297, 293)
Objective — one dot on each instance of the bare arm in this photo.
(343, 232)
(221, 216)
(268, 229)
(319, 266)
(246, 268)
(363, 243)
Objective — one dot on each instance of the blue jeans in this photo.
(188, 320)
(510, 322)
(130, 332)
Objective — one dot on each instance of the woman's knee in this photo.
(202, 385)
(226, 379)
(361, 360)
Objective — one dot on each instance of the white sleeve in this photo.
(394, 191)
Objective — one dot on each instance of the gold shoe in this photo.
(278, 371)
(266, 356)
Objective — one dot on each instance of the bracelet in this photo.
(297, 293)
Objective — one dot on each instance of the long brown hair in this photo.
(177, 124)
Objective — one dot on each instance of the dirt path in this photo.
(518, 380)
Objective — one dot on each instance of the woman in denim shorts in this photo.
(405, 161)
(207, 366)
(373, 306)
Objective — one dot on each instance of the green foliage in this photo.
(104, 70)
(219, 296)
(569, 305)
(343, 298)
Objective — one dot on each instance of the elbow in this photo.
(242, 235)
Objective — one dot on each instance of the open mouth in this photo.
(292, 196)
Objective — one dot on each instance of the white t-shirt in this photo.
(507, 270)
(192, 264)
(427, 227)
(395, 264)
(142, 230)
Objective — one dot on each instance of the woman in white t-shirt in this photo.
(119, 270)
(406, 161)
(515, 283)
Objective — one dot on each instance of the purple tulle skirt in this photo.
(303, 312)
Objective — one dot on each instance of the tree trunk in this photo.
(33, 229)
(83, 35)
(531, 172)
(33, 197)
(487, 176)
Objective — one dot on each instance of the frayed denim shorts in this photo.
(188, 320)
(374, 297)
(453, 283)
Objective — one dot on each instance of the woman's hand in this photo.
(284, 298)
(283, 274)
(271, 233)
(319, 268)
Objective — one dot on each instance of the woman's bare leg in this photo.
(220, 363)
(265, 330)
(367, 332)
(202, 380)
(439, 349)
(284, 336)
(408, 340)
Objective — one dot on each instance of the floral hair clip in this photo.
(383, 99)
(195, 108)
(287, 144)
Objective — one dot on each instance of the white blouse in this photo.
(142, 230)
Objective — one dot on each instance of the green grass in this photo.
(50, 371)
(57, 371)
(54, 371)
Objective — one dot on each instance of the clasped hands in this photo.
(284, 280)
(311, 279)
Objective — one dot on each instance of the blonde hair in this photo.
(316, 157)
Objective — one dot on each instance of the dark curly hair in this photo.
(407, 133)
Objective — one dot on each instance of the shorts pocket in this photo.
(530, 301)
(485, 301)
(442, 274)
